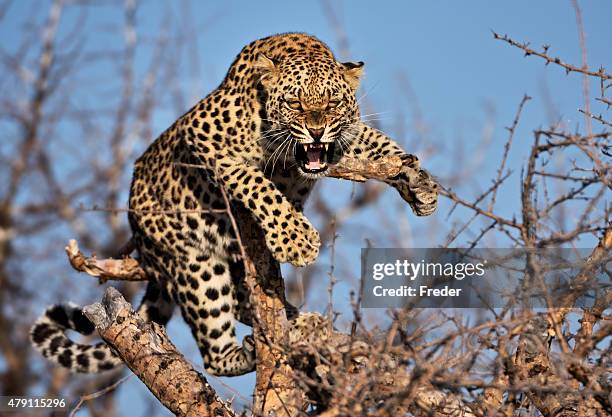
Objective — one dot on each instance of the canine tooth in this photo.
(326, 145)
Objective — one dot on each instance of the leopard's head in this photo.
(310, 108)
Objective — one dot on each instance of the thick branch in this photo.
(147, 351)
(361, 170)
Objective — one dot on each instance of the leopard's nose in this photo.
(317, 133)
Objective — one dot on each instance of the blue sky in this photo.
(465, 83)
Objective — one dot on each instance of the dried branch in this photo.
(97, 394)
(599, 117)
(604, 101)
(126, 269)
(511, 130)
(601, 73)
(148, 352)
(360, 170)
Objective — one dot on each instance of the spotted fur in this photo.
(284, 113)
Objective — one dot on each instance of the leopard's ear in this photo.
(267, 68)
(352, 73)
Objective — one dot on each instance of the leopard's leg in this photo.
(288, 233)
(205, 293)
(415, 185)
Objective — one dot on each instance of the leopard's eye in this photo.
(332, 104)
(294, 104)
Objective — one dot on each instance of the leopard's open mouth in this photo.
(314, 157)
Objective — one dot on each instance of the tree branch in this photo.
(148, 352)
(126, 269)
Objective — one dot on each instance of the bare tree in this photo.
(511, 362)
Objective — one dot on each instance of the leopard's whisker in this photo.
(287, 153)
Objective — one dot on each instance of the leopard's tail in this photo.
(48, 334)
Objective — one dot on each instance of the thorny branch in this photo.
(601, 73)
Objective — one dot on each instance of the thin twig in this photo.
(507, 146)
(97, 394)
(602, 74)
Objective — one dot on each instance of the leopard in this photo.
(286, 111)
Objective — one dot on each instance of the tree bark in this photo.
(146, 349)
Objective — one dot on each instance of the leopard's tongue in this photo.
(314, 158)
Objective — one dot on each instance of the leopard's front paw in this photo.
(294, 240)
(424, 194)
(417, 187)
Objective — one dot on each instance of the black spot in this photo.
(215, 334)
(219, 269)
(42, 332)
(226, 116)
(192, 223)
(105, 366)
(58, 315)
(202, 258)
(194, 283)
(225, 290)
(56, 343)
(65, 359)
(191, 297)
(212, 294)
(83, 360)
(99, 354)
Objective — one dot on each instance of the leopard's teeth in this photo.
(326, 146)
